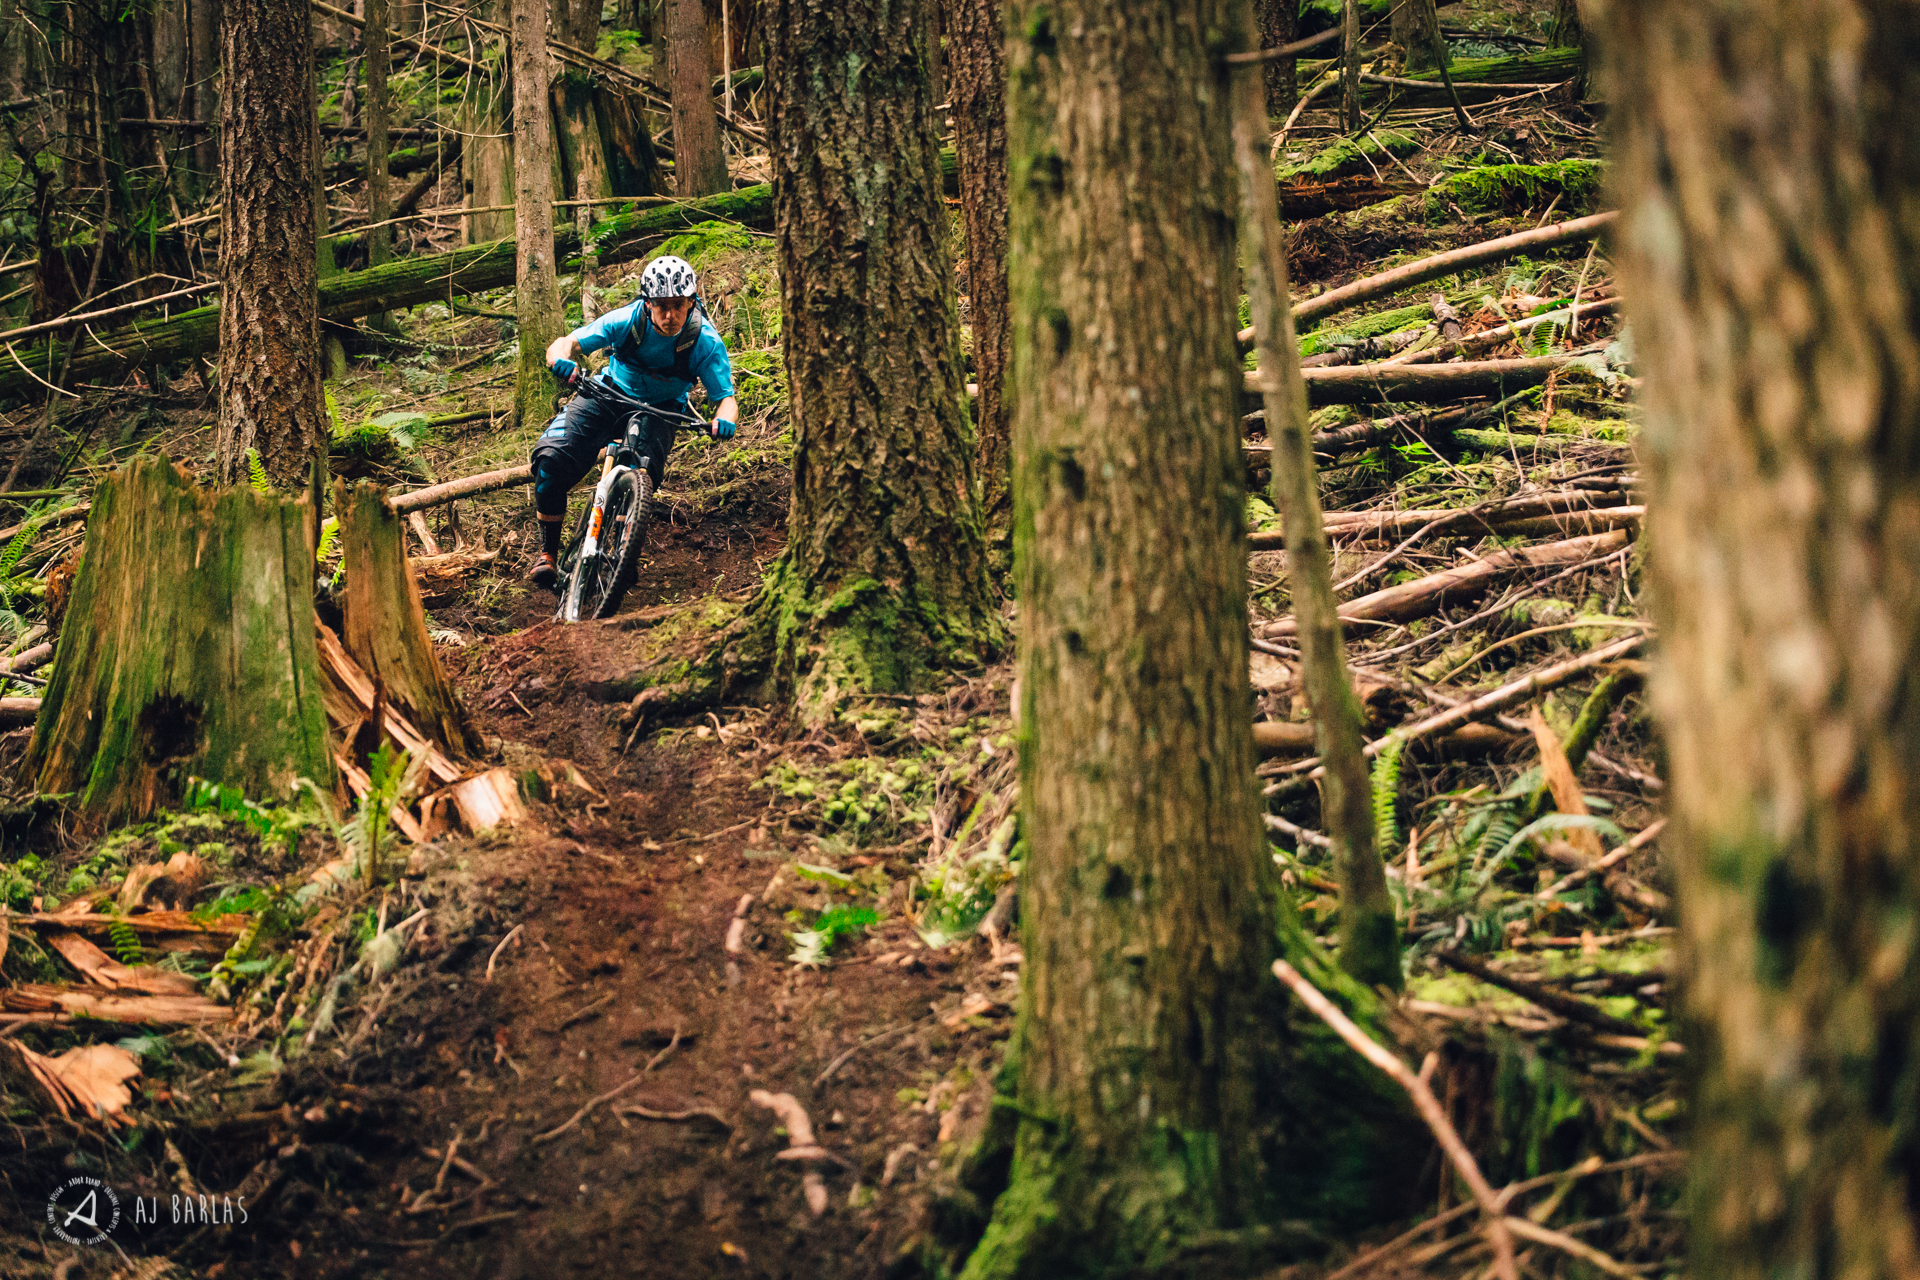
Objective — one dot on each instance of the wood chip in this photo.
(92, 1079)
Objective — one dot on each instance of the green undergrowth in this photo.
(1348, 157)
(1572, 186)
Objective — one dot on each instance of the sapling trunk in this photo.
(1369, 934)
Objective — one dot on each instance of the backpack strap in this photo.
(681, 368)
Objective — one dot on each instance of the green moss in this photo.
(1348, 157)
(1516, 188)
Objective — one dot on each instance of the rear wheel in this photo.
(622, 536)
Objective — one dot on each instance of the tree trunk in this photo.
(633, 165)
(978, 69)
(379, 191)
(188, 648)
(205, 24)
(269, 309)
(1350, 66)
(1147, 901)
(1369, 933)
(884, 580)
(699, 165)
(1416, 28)
(1768, 256)
(1568, 31)
(537, 286)
(583, 155)
(486, 164)
(1279, 25)
(385, 628)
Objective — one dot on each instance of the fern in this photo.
(1544, 338)
(257, 474)
(220, 982)
(126, 943)
(18, 548)
(1386, 797)
(329, 538)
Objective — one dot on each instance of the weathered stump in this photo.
(385, 626)
(188, 648)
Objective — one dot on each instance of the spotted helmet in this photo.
(667, 277)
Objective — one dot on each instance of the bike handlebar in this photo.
(599, 389)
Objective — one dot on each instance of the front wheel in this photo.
(572, 572)
(623, 534)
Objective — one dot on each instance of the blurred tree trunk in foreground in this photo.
(1769, 176)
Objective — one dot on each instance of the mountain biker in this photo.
(660, 343)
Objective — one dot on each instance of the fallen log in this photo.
(1278, 739)
(1539, 513)
(29, 659)
(465, 487)
(1443, 264)
(1495, 338)
(59, 517)
(161, 930)
(1378, 383)
(134, 1010)
(353, 294)
(1424, 595)
(16, 713)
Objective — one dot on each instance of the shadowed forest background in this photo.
(1303, 665)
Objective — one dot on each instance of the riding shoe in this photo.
(545, 571)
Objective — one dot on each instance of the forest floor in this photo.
(556, 1074)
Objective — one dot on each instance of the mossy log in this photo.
(385, 288)
(1480, 79)
(1416, 383)
(385, 626)
(188, 650)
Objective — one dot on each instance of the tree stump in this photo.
(188, 649)
(385, 625)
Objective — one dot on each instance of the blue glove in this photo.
(723, 428)
(566, 370)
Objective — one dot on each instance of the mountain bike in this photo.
(600, 561)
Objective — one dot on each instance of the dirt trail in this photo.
(622, 894)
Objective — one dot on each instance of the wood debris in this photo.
(91, 1080)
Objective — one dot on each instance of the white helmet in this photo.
(667, 277)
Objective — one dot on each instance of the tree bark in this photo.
(699, 165)
(1279, 25)
(1369, 933)
(1416, 28)
(884, 581)
(270, 373)
(1350, 66)
(188, 649)
(537, 286)
(486, 163)
(384, 625)
(1770, 260)
(379, 189)
(1147, 897)
(978, 73)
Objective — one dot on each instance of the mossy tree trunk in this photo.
(977, 70)
(1416, 28)
(188, 649)
(1769, 252)
(537, 286)
(384, 625)
(885, 576)
(270, 372)
(1148, 899)
(699, 165)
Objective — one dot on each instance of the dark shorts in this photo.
(570, 448)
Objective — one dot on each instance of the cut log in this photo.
(1419, 384)
(384, 624)
(188, 649)
(488, 800)
(1443, 264)
(1424, 595)
(465, 487)
(1495, 518)
(28, 659)
(351, 295)
(443, 576)
(1479, 344)
(1278, 739)
(18, 713)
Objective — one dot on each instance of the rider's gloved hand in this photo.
(723, 428)
(566, 370)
